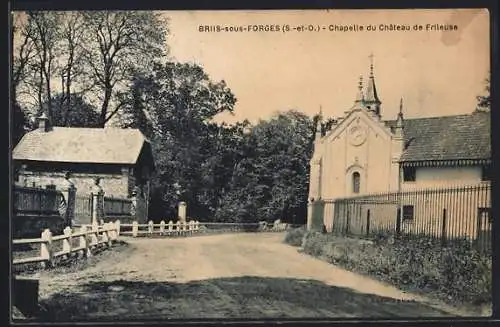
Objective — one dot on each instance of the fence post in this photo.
(178, 227)
(443, 229)
(117, 225)
(398, 221)
(105, 234)
(368, 222)
(135, 228)
(150, 227)
(110, 227)
(67, 242)
(196, 225)
(347, 220)
(170, 227)
(191, 226)
(94, 236)
(184, 227)
(162, 227)
(84, 245)
(46, 248)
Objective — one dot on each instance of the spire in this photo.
(318, 123)
(360, 97)
(371, 99)
(399, 120)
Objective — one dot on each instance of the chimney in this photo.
(43, 123)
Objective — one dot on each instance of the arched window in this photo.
(355, 182)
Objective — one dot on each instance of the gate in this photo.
(83, 209)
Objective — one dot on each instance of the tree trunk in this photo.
(40, 90)
(104, 107)
(49, 97)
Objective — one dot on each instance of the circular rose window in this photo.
(357, 135)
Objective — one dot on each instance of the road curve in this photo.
(242, 276)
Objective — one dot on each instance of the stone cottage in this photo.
(121, 158)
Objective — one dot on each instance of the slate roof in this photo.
(81, 145)
(446, 137)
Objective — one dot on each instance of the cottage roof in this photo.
(81, 145)
(446, 137)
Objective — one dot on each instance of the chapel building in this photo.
(363, 153)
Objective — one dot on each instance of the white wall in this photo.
(426, 177)
(372, 159)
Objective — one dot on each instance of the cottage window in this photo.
(408, 213)
(486, 173)
(409, 174)
(355, 182)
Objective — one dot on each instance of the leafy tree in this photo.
(173, 105)
(484, 101)
(271, 180)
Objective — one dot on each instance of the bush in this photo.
(456, 273)
(294, 236)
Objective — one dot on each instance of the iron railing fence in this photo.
(462, 212)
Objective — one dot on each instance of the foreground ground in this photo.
(221, 276)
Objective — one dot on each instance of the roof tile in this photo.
(81, 145)
(446, 137)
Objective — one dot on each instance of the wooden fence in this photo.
(34, 200)
(162, 229)
(83, 241)
(195, 227)
(117, 206)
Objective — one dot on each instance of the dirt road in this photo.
(221, 276)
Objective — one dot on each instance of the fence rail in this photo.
(195, 227)
(446, 213)
(39, 201)
(87, 238)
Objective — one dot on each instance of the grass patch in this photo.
(457, 274)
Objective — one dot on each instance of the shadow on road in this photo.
(235, 298)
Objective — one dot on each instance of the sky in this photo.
(435, 72)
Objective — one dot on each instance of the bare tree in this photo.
(71, 57)
(118, 45)
(22, 54)
(42, 29)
